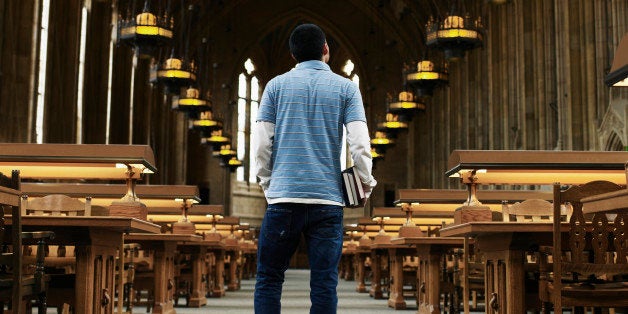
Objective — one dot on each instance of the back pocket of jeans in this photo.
(277, 224)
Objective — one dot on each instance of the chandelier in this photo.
(375, 155)
(174, 74)
(381, 142)
(191, 102)
(427, 77)
(145, 31)
(454, 34)
(405, 106)
(216, 139)
(232, 164)
(225, 153)
(392, 125)
(205, 122)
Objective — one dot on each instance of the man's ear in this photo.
(293, 57)
(325, 49)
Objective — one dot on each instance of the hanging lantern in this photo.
(392, 125)
(427, 77)
(216, 139)
(232, 164)
(381, 142)
(454, 34)
(205, 122)
(405, 106)
(146, 31)
(376, 155)
(190, 100)
(174, 74)
(225, 153)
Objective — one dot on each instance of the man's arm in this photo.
(360, 148)
(263, 149)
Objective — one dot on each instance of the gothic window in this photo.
(248, 103)
(41, 75)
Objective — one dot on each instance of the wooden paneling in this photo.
(17, 65)
(537, 82)
(62, 71)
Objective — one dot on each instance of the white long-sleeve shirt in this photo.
(359, 148)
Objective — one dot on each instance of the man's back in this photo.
(308, 106)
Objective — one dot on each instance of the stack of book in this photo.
(352, 188)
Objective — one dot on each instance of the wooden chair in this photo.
(59, 259)
(16, 286)
(591, 271)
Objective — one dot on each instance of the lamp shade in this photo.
(537, 167)
(76, 161)
(430, 202)
(154, 197)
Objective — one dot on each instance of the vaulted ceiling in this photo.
(371, 33)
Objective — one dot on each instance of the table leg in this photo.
(219, 281)
(396, 299)
(233, 277)
(376, 282)
(465, 265)
(505, 282)
(164, 279)
(197, 297)
(95, 273)
(361, 287)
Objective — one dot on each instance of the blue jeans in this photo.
(281, 230)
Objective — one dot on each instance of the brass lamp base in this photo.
(231, 241)
(365, 241)
(132, 209)
(212, 236)
(381, 239)
(410, 232)
(464, 214)
(183, 227)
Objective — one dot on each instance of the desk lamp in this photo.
(381, 236)
(527, 167)
(83, 162)
(445, 203)
(213, 235)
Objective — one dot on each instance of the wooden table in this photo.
(396, 253)
(613, 202)
(504, 245)
(430, 252)
(164, 247)
(97, 240)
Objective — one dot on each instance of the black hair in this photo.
(306, 42)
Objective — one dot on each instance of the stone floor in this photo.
(295, 299)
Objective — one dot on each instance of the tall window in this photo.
(81, 75)
(41, 84)
(248, 103)
(349, 71)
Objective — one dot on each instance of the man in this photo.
(299, 137)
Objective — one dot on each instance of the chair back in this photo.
(10, 197)
(56, 205)
(532, 210)
(591, 251)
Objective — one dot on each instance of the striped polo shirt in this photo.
(308, 105)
